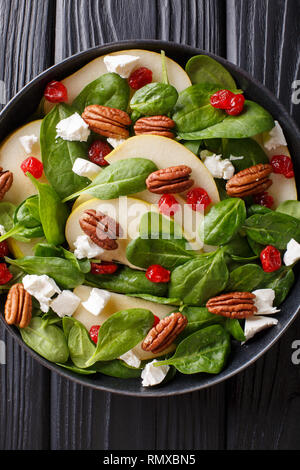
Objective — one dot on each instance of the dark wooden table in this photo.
(260, 407)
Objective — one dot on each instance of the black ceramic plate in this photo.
(24, 104)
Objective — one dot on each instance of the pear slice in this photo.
(94, 69)
(282, 189)
(20, 249)
(126, 211)
(116, 303)
(12, 154)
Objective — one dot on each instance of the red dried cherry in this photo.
(104, 267)
(236, 105)
(264, 199)
(283, 165)
(156, 273)
(56, 92)
(168, 205)
(140, 78)
(198, 199)
(270, 259)
(5, 274)
(98, 150)
(94, 331)
(156, 321)
(4, 250)
(33, 166)
(222, 99)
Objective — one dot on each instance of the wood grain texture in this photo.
(24, 384)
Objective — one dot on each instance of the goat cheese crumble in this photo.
(97, 300)
(152, 375)
(27, 142)
(86, 168)
(275, 138)
(218, 167)
(73, 128)
(42, 288)
(85, 248)
(292, 253)
(65, 304)
(123, 65)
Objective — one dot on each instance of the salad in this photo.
(148, 219)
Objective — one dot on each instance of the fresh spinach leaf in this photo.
(77, 370)
(126, 281)
(257, 209)
(47, 250)
(204, 351)
(121, 178)
(18, 275)
(253, 120)
(205, 69)
(121, 332)
(290, 208)
(193, 145)
(156, 299)
(53, 213)
(47, 340)
(245, 278)
(107, 90)
(247, 148)
(80, 346)
(281, 281)
(59, 155)
(168, 253)
(238, 246)
(233, 326)
(117, 368)
(193, 111)
(7, 210)
(154, 99)
(199, 279)
(61, 270)
(272, 228)
(223, 221)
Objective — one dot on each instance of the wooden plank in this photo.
(263, 401)
(24, 384)
(85, 419)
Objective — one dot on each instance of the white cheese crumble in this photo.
(73, 128)
(65, 304)
(2, 230)
(27, 142)
(85, 248)
(257, 323)
(152, 375)
(292, 254)
(123, 65)
(115, 142)
(86, 168)
(42, 288)
(97, 300)
(218, 167)
(263, 301)
(275, 138)
(131, 359)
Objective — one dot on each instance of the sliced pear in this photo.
(94, 69)
(12, 154)
(116, 303)
(20, 249)
(282, 189)
(126, 211)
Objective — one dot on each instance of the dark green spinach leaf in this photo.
(154, 99)
(205, 69)
(290, 208)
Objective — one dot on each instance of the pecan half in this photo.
(106, 121)
(18, 306)
(164, 333)
(233, 305)
(174, 179)
(157, 125)
(253, 180)
(6, 180)
(102, 229)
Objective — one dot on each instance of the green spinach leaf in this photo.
(205, 69)
(47, 340)
(117, 368)
(199, 279)
(121, 178)
(108, 90)
(245, 278)
(249, 149)
(80, 346)
(154, 99)
(253, 120)
(121, 332)
(204, 351)
(290, 208)
(59, 155)
(7, 210)
(281, 281)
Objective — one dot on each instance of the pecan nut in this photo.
(6, 180)
(161, 336)
(106, 121)
(174, 179)
(102, 229)
(157, 125)
(233, 305)
(253, 180)
(18, 306)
